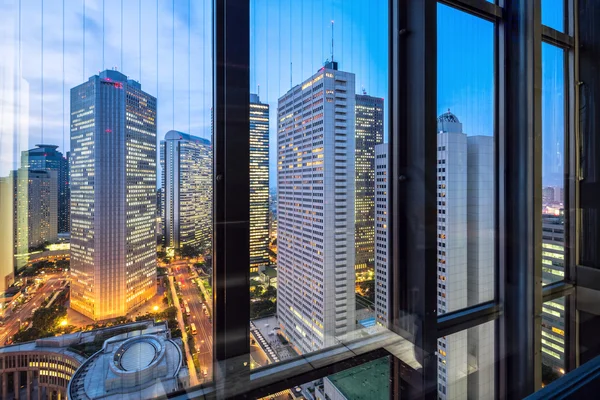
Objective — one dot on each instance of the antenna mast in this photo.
(332, 41)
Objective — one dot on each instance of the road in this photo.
(203, 339)
(11, 324)
(184, 338)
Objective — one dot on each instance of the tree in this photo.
(188, 251)
(270, 293)
(258, 291)
(64, 264)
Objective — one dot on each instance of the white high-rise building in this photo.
(113, 196)
(315, 176)
(186, 163)
(382, 307)
(465, 256)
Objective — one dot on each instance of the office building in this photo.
(186, 162)
(113, 196)
(34, 211)
(382, 295)
(465, 200)
(368, 133)
(553, 312)
(315, 234)
(47, 157)
(259, 184)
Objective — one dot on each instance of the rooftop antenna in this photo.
(363, 90)
(290, 74)
(258, 90)
(331, 41)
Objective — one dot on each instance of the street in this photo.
(12, 322)
(203, 338)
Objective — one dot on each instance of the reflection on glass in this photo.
(320, 69)
(465, 166)
(553, 340)
(371, 380)
(553, 14)
(466, 364)
(106, 227)
(553, 164)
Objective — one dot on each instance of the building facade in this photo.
(47, 157)
(553, 312)
(186, 163)
(34, 211)
(315, 177)
(259, 184)
(113, 196)
(382, 295)
(368, 134)
(465, 256)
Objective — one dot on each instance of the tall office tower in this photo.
(34, 210)
(553, 312)
(187, 190)
(480, 259)
(315, 181)
(382, 305)
(452, 252)
(47, 157)
(6, 236)
(465, 255)
(113, 196)
(369, 132)
(259, 184)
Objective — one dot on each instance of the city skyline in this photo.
(465, 79)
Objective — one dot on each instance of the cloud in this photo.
(56, 54)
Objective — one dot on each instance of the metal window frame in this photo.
(413, 84)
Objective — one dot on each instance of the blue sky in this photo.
(171, 56)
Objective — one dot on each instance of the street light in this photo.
(155, 308)
(63, 322)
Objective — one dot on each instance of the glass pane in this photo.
(106, 192)
(553, 14)
(465, 148)
(371, 380)
(466, 364)
(318, 82)
(553, 340)
(553, 164)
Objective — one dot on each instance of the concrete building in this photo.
(465, 256)
(46, 157)
(382, 294)
(368, 134)
(365, 382)
(34, 211)
(259, 184)
(113, 196)
(553, 312)
(186, 163)
(315, 142)
(7, 240)
(59, 367)
(142, 364)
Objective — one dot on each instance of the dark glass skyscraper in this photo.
(369, 132)
(113, 196)
(46, 157)
(259, 184)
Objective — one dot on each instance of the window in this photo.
(553, 163)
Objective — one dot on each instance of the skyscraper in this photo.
(186, 162)
(34, 211)
(553, 312)
(465, 255)
(315, 177)
(113, 196)
(47, 157)
(382, 305)
(259, 184)
(368, 133)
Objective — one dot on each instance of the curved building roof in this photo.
(448, 117)
(176, 135)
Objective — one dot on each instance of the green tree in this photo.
(161, 254)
